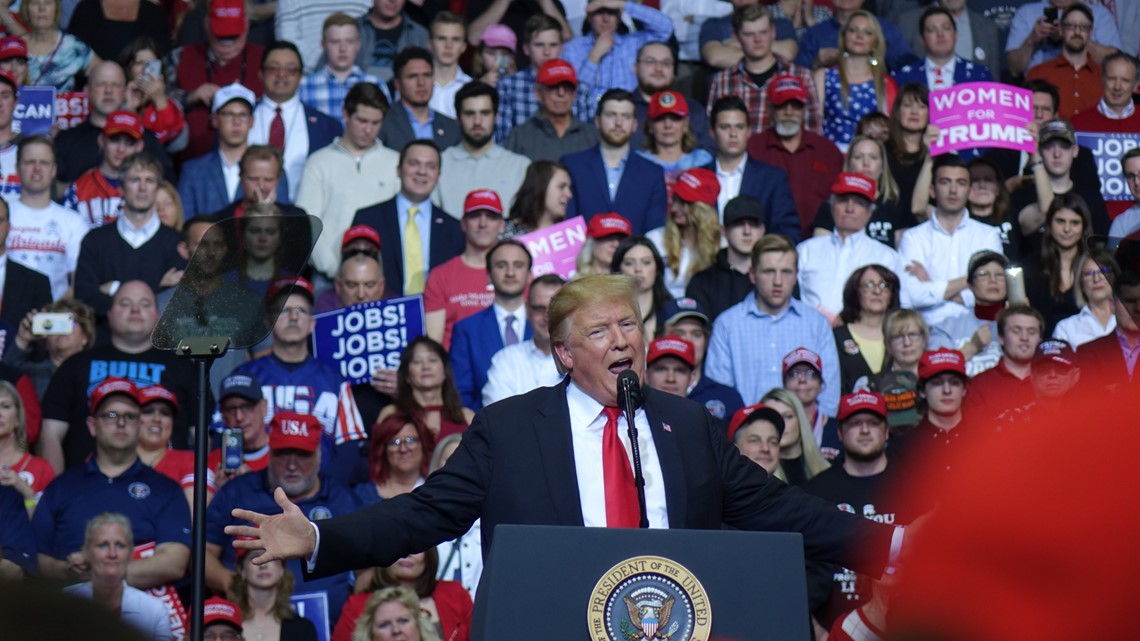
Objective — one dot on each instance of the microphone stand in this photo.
(630, 399)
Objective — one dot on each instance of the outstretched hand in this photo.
(288, 535)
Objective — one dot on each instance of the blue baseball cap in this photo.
(243, 385)
(679, 308)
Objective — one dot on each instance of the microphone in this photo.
(629, 398)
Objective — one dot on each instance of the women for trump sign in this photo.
(982, 114)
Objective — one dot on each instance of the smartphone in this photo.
(153, 68)
(233, 442)
(501, 64)
(52, 324)
(1051, 14)
(1015, 285)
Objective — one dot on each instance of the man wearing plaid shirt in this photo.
(326, 88)
(752, 25)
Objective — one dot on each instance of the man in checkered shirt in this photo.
(326, 88)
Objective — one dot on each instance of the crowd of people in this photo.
(845, 303)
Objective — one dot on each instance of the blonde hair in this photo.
(406, 598)
(888, 188)
(814, 463)
(896, 318)
(583, 292)
(21, 431)
(108, 518)
(878, 53)
(238, 592)
(172, 191)
(585, 260)
(704, 218)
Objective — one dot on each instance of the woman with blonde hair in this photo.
(690, 238)
(603, 235)
(907, 336)
(868, 156)
(858, 83)
(394, 613)
(168, 206)
(263, 594)
(800, 456)
(21, 470)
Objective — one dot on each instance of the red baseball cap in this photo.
(291, 285)
(156, 392)
(672, 346)
(668, 102)
(555, 72)
(227, 18)
(848, 183)
(10, 79)
(13, 47)
(111, 386)
(862, 402)
(293, 431)
(937, 362)
(802, 355)
(697, 186)
(603, 225)
(219, 610)
(759, 410)
(357, 232)
(785, 87)
(481, 199)
(123, 122)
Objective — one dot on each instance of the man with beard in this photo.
(477, 162)
(412, 118)
(1075, 72)
(656, 69)
(609, 177)
(814, 160)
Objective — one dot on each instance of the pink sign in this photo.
(555, 248)
(981, 114)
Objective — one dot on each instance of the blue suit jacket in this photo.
(964, 71)
(474, 340)
(322, 128)
(447, 240)
(202, 186)
(640, 194)
(769, 184)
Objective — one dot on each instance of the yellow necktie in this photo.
(413, 255)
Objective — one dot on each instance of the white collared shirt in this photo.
(443, 96)
(1126, 223)
(1107, 111)
(935, 80)
(730, 182)
(137, 236)
(3, 270)
(1083, 327)
(826, 262)
(501, 315)
(231, 173)
(518, 369)
(587, 424)
(296, 135)
(946, 255)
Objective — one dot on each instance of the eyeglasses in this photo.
(299, 310)
(408, 441)
(236, 116)
(221, 636)
(1131, 177)
(116, 417)
(881, 286)
(240, 408)
(803, 374)
(986, 274)
(1096, 271)
(654, 62)
(288, 70)
(909, 337)
(1079, 28)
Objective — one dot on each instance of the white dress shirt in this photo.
(587, 424)
(730, 182)
(826, 262)
(231, 173)
(940, 77)
(443, 96)
(296, 135)
(946, 255)
(501, 315)
(518, 369)
(138, 236)
(1083, 327)
(674, 282)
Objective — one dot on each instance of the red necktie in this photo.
(621, 495)
(277, 132)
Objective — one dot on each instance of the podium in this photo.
(600, 584)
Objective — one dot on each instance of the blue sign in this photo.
(1107, 150)
(35, 111)
(360, 339)
(313, 606)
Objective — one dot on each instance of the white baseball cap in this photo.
(231, 92)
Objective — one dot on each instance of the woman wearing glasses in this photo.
(398, 457)
(1096, 318)
(869, 294)
(907, 336)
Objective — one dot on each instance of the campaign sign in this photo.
(360, 339)
(981, 114)
(1107, 149)
(35, 111)
(555, 248)
(314, 606)
(70, 109)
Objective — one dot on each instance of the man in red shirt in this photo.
(96, 194)
(1007, 384)
(1074, 72)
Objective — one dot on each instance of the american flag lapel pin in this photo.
(666, 427)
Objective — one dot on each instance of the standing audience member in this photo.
(720, 48)
(305, 25)
(106, 25)
(889, 220)
(398, 456)
(1075, 72)
(554, 130)
(756, 431)
(603, 234)
(55, 59)
(158, 407)
(973, 329)
(817, 46)
(638, 258)
(870, 293)
(1096, 318)
(803, 376)
(1051, 278)
(988, 200)
(385, 30)
(943, 387)
(690, 239)
(1107, 360)
(24, 353)
(687, 320)
(442, 605)
(727, 281)
(22, 288)
(669, 365)
(801, 457)
(146, 92)
(326, 88)
(908, 146)
(448, 42)
(669, 139)
(519, 368)
(857, 83)
(263, 594)
(495, 55)
(975, 34)
(1009, 384)
(1115, 112)
(907, 337)
(425, 388)
(412, 117)
(243, 406)
(943, 67)
(1035, 36)
(655, 69)
(20, 470)
(542, 199)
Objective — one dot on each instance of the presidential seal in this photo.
(647, 598)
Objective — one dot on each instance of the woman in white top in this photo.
(1096, 318)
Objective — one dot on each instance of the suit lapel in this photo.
(669, 455)
(389, 217)
(600, 178)
(556, 450)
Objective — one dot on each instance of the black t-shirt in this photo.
(1023, 245)
(384, 45)
(887, 219)
(762, 78)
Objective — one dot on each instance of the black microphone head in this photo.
(629, 383)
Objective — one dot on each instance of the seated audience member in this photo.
(756, 431)
(1075, 72)
(1055, 375)
(136, 247)
(542, 201)
(447, 43)
(655, 69)
(519, 368)
(972, 330)
(670, 365)
(411, 118)
(282, 121)
(727, 281)
(25, 355)
(326, 88)
(518, 100)
(168, 206)
(935, 271)
(814, 160)
(875, 125)
(721, 49)
(1096, 318)
(359, 280)
(638, 258)
(261, 180)
(1115, 113)
(907, 337)
(817, 46)
(242, 406)
(54, 58)
(603, 234)
(669, 139)
(988, 201)
(146, 92)
(294, 467)
(263, 595)
(553, 131)
(753, 31)
(741, 175)
(1051, 279)
(442, 605)
(1036, 37)
(771, 312)
(827, 261)
(942, 67)
(221, 619)
(157, 407)
(604, 57)
(687, 320)
(425, 387)
(870, 293)
(385, 30)
(398, 455)
(1128, 222)
(613, 176)
(477, 162)
(1008, 384)
(942, 386)
(22, 288)
(889, 219)
(16, 539)
(459, 288)
(803, 376)
(1106, 361)
(690, 239)
(476, 339)
(160, 518)
(44, 236)
(20, 470)
(331, 187)
(106, 558)
(495, 56)
(801, 457)
(201, 69)
(9, 139)
(975, 35)
(403, 222)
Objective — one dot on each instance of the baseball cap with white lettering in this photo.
(293, 431)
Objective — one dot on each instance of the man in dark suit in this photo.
(410, 222)
(610, 177)
(987, 49)
(23, 288)
(942, 67)
(411, 118)
(555, 456)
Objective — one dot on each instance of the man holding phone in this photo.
(1035, 34)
